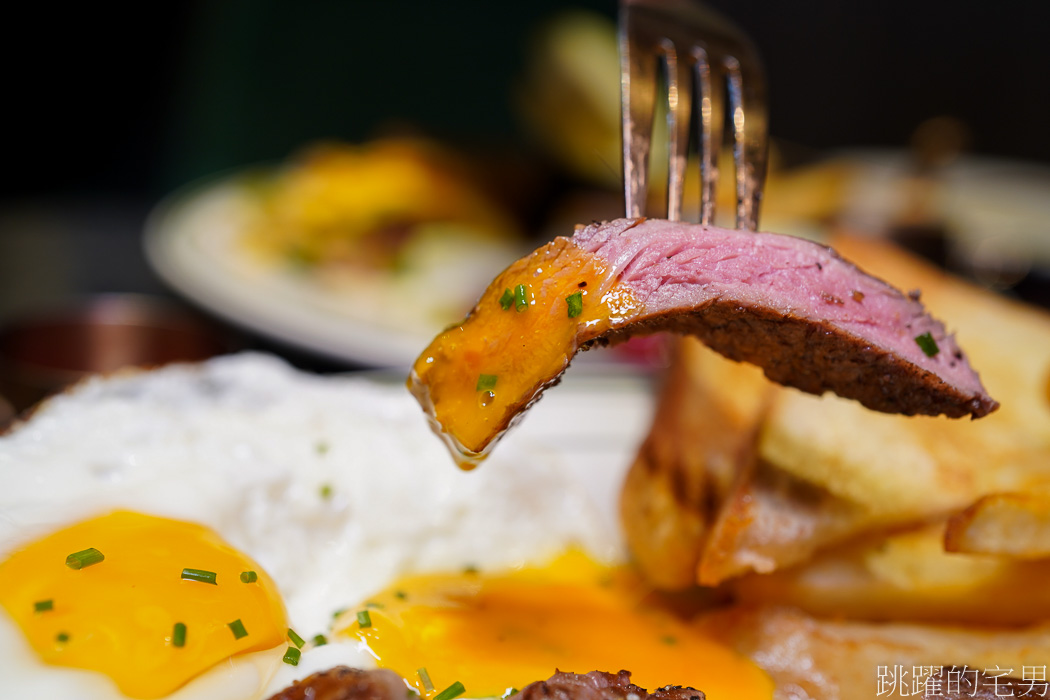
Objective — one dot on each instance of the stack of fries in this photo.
(864, 551)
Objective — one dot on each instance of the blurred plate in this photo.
(987, 205)
(191, 241)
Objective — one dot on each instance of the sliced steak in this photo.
(598, 685)
(344, 683)
(795, 308)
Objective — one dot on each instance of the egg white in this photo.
(247, 445)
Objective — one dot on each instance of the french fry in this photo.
(1011, 524)
(819, 659)
(703, 430)
(908, 576)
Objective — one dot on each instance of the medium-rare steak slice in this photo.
(793, 307)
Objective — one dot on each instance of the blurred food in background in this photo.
(358, 251)
(378, 208)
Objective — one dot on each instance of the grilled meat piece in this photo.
(598, 685)
(344, 683)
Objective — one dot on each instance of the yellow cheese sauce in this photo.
(495, 632)
(474, 378)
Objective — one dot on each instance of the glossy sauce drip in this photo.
(475, 378)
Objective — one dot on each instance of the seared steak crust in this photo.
(598, 685)
(344, 683)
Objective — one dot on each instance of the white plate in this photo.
(191, 241)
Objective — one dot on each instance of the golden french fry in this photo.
(703, 429)
(1011, 524)
(908, 576)
(820, 659)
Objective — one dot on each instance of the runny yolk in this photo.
(492, 633)
(118, 616)
(474, 378)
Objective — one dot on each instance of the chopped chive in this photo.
(486, 382)
(669, 640)
(319, 640)
(199, 575)
(424, 677)
(453, 691)
(364, 618)
(44, 605)
(338, 612)
(248, 577)
(506, 300)
(326, 491)
(86, 557)
(374, 605)
(61, 637)
(521, 301)
(237, 627)
(292, 656)
(927, 344)
(508, 692)
(470, 570)
(575, 302)
(178, 635)
(400, 595)
(321, 447)
(296, 639)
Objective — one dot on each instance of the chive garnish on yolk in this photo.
(521, 301)
(424, 677)
(83, 558)
(486, 382)
(575, 302)
(364, 618)
(453, 691)
(507, 300)
(44, 605)
(237, 627)
(249, 577)
(178, 635)
(199, 575)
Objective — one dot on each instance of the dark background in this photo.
(139, 101)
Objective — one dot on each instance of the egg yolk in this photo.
(474, 378)
(118, 615)
(491, 633)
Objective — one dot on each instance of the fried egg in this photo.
(359, 541)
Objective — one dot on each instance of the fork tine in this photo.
(711, 100)
(638, 97)
(750, 138)
(679, 106)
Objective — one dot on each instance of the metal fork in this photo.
(702, 56)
